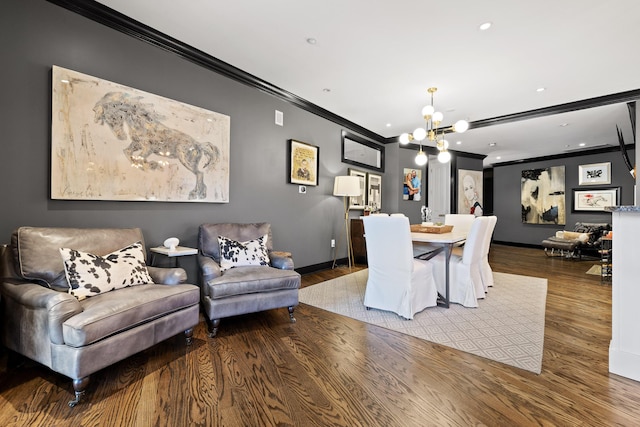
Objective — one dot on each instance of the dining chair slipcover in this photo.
(460, 222)
(485, 269)
(397, 282)
(465, 279)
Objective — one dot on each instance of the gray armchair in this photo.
(245, 288)
(77, 337)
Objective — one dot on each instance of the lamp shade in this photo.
(346, 186)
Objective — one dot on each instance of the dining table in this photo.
(443, 242)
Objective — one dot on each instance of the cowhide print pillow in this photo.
(89, 275)
(236, 254)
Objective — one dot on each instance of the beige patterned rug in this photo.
(508, 325)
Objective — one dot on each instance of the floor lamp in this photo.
(346, 186)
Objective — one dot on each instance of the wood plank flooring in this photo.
(328, 370)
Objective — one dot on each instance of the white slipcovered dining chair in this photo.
(485, 269)
(465, 278)
(397, 282)
(460, 222)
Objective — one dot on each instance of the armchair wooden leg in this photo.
(293, 319)
(189, 335)
(213, 326)
(79, 386)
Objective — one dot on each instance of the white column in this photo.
(624, 349)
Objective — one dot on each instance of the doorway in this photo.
(439, 188)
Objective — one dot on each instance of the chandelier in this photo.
(432, 119)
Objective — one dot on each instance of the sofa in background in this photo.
(78, 335)
(584, 239)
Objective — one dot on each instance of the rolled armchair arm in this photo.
(28, 300)
(281, 260)
(167, 276)
(209, 269)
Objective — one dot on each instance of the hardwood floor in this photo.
(328, 370)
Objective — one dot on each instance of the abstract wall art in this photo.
(543, 196)
(113, 142)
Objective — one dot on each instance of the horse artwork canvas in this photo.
(112, 142)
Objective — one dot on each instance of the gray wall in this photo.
(506, 187)
(36, 35)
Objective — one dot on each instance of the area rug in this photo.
(595, 269)
(508, 325)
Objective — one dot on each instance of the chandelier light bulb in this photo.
(443, 144)
(444, 156)
(437, 117)
(404, 138)
(419, 134)
(421, 158)
(427, 111)
(461, 126)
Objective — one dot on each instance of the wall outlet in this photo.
(333, 243)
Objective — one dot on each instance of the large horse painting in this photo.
(111, 142)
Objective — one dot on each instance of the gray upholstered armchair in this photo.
(75, 334)
(240, 272)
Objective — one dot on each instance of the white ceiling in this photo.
(373, 61)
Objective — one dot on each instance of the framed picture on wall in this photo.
(542, 198)
(374, 191)
(412, 184)
(359, 202)
(470, 192)
(114, 142)
(303, 163)
(595, 199)
(594, 174)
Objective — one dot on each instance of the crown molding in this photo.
(116, 20)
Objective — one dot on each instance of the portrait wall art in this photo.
(412, 184)
(470, 192)
(113, 142)
(543, 196)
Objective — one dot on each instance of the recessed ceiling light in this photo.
(541, 89)
(388, 125)
(458, 142)
(582, 144)
(498, 158)
(485, 26)
(311, 40)
(492, 144)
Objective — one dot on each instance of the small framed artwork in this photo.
(374, 191)
(303, 163)
(594, 174)
(359, 202)
(595, 199)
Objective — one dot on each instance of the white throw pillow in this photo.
(236, 254)
(90, 274)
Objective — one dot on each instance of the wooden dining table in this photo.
(443, 242)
